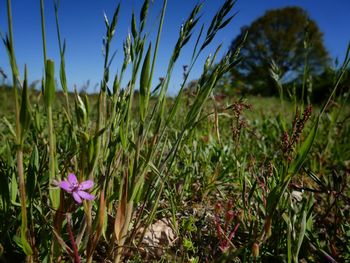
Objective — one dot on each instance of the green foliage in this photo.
(283, 36)
(281, 171)
(322, 84)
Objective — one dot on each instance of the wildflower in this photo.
(75, 188)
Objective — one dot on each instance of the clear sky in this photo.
(82, 26)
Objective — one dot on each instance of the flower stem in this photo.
(72, 240)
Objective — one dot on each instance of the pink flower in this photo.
(75, 188)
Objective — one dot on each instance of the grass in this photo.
(189, 179)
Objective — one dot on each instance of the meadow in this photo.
(132, 175)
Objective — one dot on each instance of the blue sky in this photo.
(82, 26)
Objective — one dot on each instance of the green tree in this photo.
(286, 36)
(324, 83)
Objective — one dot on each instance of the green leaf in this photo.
(143, 13)
(25, 245)
(63, 77)
(105, 224)
(14, 188)
(91, 150)
(281, 123)
(304, 150)
(137, 189)
(251, 192)
(32, 173)
(25, 114)
(49, 89)
(9, 126)
(5, 200)
(22, 241)
(123, 135)
(111, 29)
(133, 26)
(144, 84)
(275, 196)
(301, 233)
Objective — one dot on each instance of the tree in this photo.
(286, 36)
(324, 84)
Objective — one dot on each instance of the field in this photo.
(131, 175)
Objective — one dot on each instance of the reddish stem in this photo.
(72, 239)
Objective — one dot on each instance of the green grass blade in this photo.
(49, 89)
(144, 80)
(304, 150)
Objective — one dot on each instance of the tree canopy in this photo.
(285, 36)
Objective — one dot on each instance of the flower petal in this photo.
(77, 197)
(72, 179)
(65, 186)
(86, 195)
(86, 185)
